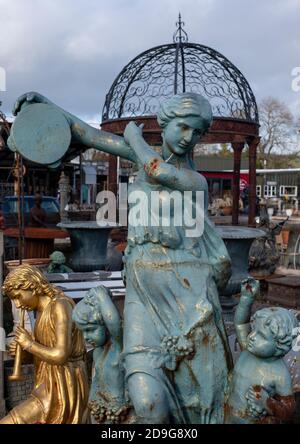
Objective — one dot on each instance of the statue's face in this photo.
(182, 133)
(260, 341)
(95, 334)
(25, 299)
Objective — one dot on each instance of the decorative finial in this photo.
(180, 35)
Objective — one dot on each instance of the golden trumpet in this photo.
(17, 371)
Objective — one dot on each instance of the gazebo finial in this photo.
(180, 35)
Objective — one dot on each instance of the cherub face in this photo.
(95, 335)
(182, 133)
(25, 299)
(261, 341)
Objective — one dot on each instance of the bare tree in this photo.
(277, 129)
(4, 128)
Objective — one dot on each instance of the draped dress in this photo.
(60, 393)
(173, 327)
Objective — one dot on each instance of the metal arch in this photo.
(154, 75)
(244, 87)
(134, 77)
(118, 79)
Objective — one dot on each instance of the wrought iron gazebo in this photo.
(165, 70)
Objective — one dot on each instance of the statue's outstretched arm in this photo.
(83, 133)
(243, 311)
(100, 140)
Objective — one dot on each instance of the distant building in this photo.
(218, 172)
(279, 183)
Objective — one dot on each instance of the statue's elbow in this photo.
(60, 357)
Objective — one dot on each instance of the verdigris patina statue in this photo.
(264, 255)
(99, 320)
(260, 387)
(58, 263)
(175, 350)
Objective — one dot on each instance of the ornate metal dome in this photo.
(165, 70)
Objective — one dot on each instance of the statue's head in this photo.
(184, 119)
(57, 257)
(97, 317)
(273, 332)
(25, 285)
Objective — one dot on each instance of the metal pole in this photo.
(22, 207)
(2, 332)
(237, 151)
(64, 188)
(20, 218)
(81, 177)
(252, 179)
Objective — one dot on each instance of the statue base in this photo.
(2, 408)
(228, 304)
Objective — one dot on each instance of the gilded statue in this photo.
(260, 387)
(60, 393)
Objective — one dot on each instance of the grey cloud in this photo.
(71, 51)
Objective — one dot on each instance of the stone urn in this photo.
(238, 241)
(89, 244)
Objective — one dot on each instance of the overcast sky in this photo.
(72, 50)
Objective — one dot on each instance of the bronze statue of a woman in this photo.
(175, 348)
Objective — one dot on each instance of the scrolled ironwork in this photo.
(158, 73)
(180, 34)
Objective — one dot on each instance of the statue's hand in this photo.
(23, 337)
(12, 348)
(131, 132)
(257, 401)
(249, 289)
(28, 98)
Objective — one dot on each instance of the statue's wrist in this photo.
(29, 345)
(246, 300)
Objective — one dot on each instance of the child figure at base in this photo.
(260, 386)
(99, 320)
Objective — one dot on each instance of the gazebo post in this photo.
(237, 152)
(112, 174)
(253, 144)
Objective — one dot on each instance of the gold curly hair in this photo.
(29, 277)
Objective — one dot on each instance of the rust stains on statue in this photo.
(205, 340)
(186, 283)
(151, 167)
(257, 390)
(282, 407)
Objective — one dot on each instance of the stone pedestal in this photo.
(18, 391)
(284, 291)
(2, 408)
(64, 189)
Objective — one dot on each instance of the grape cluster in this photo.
(178, 346)
(104, 414)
